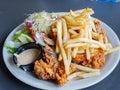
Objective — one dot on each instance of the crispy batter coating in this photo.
(51, 69)
(97, 58)
(97, 61)
(100, 30)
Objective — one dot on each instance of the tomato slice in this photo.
(32, 34)
(29, 25)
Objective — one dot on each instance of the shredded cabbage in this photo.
(42, 21)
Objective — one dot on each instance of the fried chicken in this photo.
(100, 30)
(97, 61)
(97, 58)
(49, 68)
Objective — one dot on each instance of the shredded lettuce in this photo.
(19, 38)
(42, 21)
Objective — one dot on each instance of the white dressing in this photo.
(27, 56)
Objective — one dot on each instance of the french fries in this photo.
(112, 50)
(76, 34)
(85, 40)
(88, 75)
(75, 45)
(69, 56)
(85, 69)
(72, 13)
(74, 52)
(83, 75)
(70, 77)
(60, 57)
(87, 53)
(57, 48)
(100, 38)
(72, 32)
(84, 72)
(62, 50)
(65, 35)
(80, 51)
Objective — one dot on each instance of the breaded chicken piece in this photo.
(97, 58)
(51, 69)
(99, 30)
(97, 61)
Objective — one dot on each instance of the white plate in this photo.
(29, 78)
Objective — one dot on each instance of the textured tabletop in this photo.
(13, 13)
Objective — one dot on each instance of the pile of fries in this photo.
(74, 33)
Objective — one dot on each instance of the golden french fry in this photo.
(85, 40)
(89, 33)
(75, 28)
(85, 69)
(94, 46)
(70, 20)
(80, 17)
(54, 30)
(57, 47)
(60, 57)
(72, 13)
(77, 12)
(81, 51)
(69, 56)
(65, 61)
(75, 36)
(74, 52)
(112, 50)
(88, 53)
(100, 38)
(95, 34)
(59, 32)
(68, 34)
(59, 38)
(70, 77)
(88, 75)
(106, 40)
(65, 35)
(82, 33)
(93, 25)
(75, 45)
(108, 46)
(72, 31)
(88, 11)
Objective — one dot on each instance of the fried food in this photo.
(80, 44)
(49, 68)
(97, 61)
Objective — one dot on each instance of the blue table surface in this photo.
(13, 12)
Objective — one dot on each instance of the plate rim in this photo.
(95, 82)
